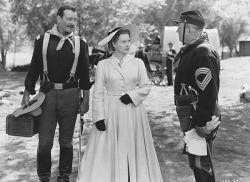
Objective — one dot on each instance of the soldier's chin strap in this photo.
(183, 34)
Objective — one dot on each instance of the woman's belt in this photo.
(118, 93)
(115, 93)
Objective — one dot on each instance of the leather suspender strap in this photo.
(44, 52)
(77, 52)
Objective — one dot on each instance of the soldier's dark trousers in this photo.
(202, 176)
(169, 72)
(60, 106)
(65, 164)
(44, 166)
(202, 167)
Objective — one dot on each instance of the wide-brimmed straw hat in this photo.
(33, 107)
(132, 28)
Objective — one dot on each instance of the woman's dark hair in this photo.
(116, 37)
(61, 10)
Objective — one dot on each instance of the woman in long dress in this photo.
(120, 147)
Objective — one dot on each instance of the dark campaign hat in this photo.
(192, 17)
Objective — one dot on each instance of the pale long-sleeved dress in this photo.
(126, 147)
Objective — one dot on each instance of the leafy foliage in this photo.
(7, 32)
(38, 16)
(97, 17)
(232, 29)
(22, 68)
(231, 22)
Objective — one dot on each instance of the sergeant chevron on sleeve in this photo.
(196, 92)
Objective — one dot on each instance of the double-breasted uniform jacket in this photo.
(199, 68)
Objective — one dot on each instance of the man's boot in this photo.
(65, 164)
(44, 166)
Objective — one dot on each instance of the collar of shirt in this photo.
(54, 31)
(123, 61)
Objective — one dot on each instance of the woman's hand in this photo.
(125, 99)
(100, 125)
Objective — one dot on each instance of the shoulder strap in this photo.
(77, 52)
(44, 52)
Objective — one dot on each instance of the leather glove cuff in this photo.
(100, 125)
(125, 99)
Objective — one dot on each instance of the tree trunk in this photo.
(222, 50)
(1, 67)
(236, 51)
(231, 52)
(3, 56)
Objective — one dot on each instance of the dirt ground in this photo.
(231, 147)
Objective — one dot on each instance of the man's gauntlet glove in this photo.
(204, 131)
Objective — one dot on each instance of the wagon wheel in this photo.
(156, 78)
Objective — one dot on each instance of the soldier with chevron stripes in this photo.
(196, 92)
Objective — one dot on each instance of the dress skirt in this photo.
(124, 150)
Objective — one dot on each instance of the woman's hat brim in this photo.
(134, 34)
